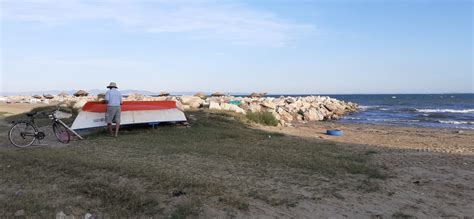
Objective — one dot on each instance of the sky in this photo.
(275, 46)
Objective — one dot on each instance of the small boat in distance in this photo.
(394, 97)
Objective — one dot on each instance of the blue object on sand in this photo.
(334, 132)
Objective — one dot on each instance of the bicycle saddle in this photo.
(31, 114)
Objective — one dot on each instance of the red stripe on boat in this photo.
(99, 107)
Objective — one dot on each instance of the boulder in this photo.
(268, 104)
(135, 97)
(245, 106)
(335, 108)
(312, 115)
(276, 115)
(214, 106)
(236, 109)
(225, 106)
(255, 107)
(284, 115)
(79, 104)
(179, 105)
(101, 96)
(37, 97)
(188, 100)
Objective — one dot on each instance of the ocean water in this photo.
(426, 110)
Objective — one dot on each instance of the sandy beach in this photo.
(420, 139)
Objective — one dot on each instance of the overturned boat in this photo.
(92, 114)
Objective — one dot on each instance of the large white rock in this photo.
(237, 109)
(79, 104)
(312, 115)
(276, 115)
(190, 100)
(255, 107)
(136, 97)
(214, 106)
(225, 106)
(268, 104)
(284, 115)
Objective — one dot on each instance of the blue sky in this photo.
(276, 46)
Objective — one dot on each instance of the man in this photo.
(113, 99)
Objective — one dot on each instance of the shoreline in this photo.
(403, 125)
(442, 140)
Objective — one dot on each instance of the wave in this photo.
(382, 120)
(362, 107)
(454, 122)
(445, 110)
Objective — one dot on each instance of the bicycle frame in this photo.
(53, 116)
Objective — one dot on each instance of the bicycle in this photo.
(23, 133)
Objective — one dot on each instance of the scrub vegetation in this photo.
(264, 118)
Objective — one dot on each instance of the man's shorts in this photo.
(113, 114)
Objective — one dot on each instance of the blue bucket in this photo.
(334, 132)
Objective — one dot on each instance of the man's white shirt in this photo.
(114, 97)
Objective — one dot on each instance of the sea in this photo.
(454, 111)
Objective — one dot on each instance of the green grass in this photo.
(264, 118)
(219, 157)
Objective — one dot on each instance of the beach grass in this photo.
(173, 171)
(264, 118)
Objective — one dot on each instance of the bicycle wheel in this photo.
(22, 134)
(61, 132)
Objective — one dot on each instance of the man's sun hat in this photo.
(112, 85)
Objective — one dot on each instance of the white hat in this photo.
(112, 84)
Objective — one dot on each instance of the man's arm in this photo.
(107, 97)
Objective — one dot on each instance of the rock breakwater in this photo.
(285, 109)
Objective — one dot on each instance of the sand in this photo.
(390, 137)
(432, 170)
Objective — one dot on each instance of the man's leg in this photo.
(111, 132)
(117, 127)
(117, 118)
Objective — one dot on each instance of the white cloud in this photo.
(226, 20)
